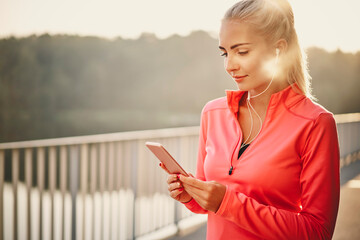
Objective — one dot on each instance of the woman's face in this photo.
(248, 58)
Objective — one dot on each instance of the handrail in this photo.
(347, 117)
(100, 138)
(132, 135)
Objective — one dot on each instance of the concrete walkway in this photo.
(347, 226)
(348, 221)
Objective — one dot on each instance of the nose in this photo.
(231, 65)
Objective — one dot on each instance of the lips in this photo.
(239, 78)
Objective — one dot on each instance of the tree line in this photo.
(66, 85)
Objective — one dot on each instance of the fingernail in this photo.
(181, 189)
(160, 164)
(178, 176)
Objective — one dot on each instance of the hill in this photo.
(63, 85)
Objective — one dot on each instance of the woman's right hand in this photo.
(175, 187)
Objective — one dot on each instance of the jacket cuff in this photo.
(191, 204)
(227, 197)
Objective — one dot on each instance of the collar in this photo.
(289, 95)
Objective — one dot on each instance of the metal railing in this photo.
(105, 186)
(348, 126)
(92, 187)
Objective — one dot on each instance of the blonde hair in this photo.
(274, 19)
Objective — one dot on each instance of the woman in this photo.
(268, 162)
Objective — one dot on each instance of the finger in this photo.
(175, 185)
(163, 167)
(193, 182)
(172, 178)
(191, 175)
(194, 190)
(197, 195)
(174, 194)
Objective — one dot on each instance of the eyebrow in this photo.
(235, 46)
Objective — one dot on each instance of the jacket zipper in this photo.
(240, 135)
(236, 145)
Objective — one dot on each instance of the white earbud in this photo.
(277, 51)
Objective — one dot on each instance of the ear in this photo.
(282, 45)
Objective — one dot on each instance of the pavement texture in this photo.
(348, 220)
(347, 225)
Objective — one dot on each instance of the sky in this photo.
(330, 24)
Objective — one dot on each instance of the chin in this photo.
(242, 87)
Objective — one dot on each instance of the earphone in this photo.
(248, 103)
(277, 51)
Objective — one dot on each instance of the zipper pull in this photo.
(231, 170)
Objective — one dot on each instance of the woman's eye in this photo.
(223, 54)
(243, 52)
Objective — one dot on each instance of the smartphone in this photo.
(164, 156)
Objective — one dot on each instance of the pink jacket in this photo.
(286, 184)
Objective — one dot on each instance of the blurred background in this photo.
(85, 83)
(81, 67)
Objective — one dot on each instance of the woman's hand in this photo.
(175, 187)
(208, 195)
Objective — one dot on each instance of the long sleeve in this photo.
(320, 188)
(193, 205)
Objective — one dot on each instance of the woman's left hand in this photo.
(208, 195)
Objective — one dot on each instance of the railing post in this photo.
(111, 185)
(2, 166)
(52, 183)
(102, 179)
(74, 186)
(119, 183)
(40, 183)
(15, 177)
(177, 204)
(93, 181)
(84, 176)
(63, 183)
(28, 179)
(134, 177)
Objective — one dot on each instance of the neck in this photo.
(262, 100)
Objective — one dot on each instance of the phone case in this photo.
(164, 156)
